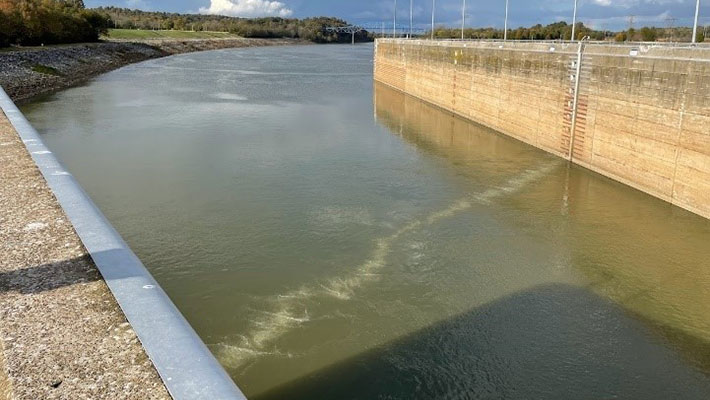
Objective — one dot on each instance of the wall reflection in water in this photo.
(648, 258)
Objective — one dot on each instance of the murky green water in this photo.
(323, 252)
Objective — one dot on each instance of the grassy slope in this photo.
(136, 34)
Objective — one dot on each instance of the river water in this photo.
(331, 238)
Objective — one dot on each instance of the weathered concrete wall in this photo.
(642, 113)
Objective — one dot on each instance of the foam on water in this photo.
(290, 311)
(229, 96)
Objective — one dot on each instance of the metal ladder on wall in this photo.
(576, 106)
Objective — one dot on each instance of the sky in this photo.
(600, 14)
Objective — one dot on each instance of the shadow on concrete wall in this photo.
(550, 342)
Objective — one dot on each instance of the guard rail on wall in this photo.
(686, 45)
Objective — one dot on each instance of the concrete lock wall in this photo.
(637, 114)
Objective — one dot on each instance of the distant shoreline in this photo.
(26, 73)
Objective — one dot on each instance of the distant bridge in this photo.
(351, 29)
(384, 30)
(401, 31)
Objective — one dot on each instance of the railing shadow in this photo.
(550, 342)
(50, 276)
(59, 274)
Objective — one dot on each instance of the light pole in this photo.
(411, 17)
(394, 28)
(574, 20)
(505, 27)
(433, 7)
(463, 18)
(695, 25)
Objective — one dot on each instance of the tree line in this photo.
(555, 31)
(311, 29)
(563, 31)
(653, 34)
(36, 22)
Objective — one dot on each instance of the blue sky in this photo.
(602, 14)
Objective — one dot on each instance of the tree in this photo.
(6, 33)
(630, 34)
(180, 24)
(554, 31)
(270, 27)
(34, 22)
(648, 34)
(76, 3)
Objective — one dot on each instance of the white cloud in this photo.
(247, 8)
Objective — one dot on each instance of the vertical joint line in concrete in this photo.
(577, 78)
(678, 148)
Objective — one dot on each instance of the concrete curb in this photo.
(186, 366)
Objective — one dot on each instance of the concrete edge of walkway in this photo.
(184, 363)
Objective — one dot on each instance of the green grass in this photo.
(138, 34)
(43, 69)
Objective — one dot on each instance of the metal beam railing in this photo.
(689, 45)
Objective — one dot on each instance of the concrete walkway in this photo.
(62, 334)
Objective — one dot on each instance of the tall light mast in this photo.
(433, 7)
(411, 17)
(394, 28)
(695, 25)
(505, 27)
(463, 18)
(574, 19)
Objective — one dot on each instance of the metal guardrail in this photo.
(186, 366)
(684, 45)
(635, 49)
